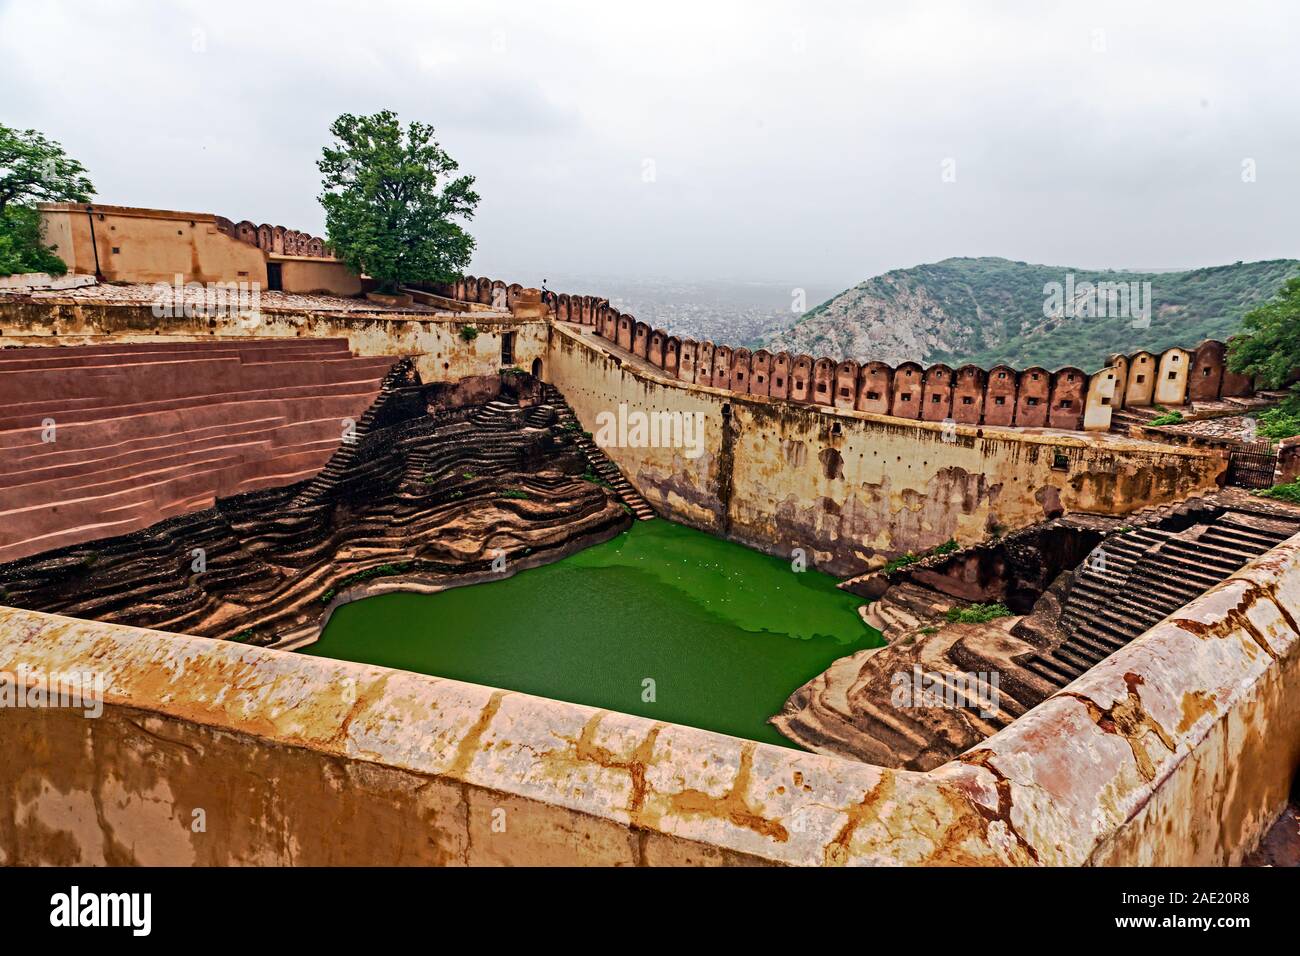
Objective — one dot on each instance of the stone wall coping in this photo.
(305, 313)
(137, 212)
(314, 260)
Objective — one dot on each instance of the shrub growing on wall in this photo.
(391, 201)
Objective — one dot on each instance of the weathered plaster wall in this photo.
(313, 761)
(1180, 749)
(307, 274)
(433, 340)
(149, 245)
(851, 487)
(1177, 750)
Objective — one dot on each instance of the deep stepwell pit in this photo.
(725, 633)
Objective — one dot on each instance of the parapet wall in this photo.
(274, 240)
(852, 488)
(1065, 398)
(1177, 750)
(127, 244)
(433, 340)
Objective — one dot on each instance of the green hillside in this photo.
(991, 310)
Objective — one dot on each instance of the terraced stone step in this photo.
(600, 462)
(1150, 573)
(82, 415)
(158, 429)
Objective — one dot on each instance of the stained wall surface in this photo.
(849, 487)
(149, 245)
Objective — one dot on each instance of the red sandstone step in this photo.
(87, 435)
(176, 468)
(366, 386)
(262, 446)
(216, 477)
(58, 462)
(168, 343)
(217, 375)
(102, 480)
(39, 409)
(62, 537)
(152, 356)
(179, 379)
(176, 471)
(159, 429)
(285, 470)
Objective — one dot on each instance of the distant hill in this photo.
(991, 310)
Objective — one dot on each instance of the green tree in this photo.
(21, 247)
(1269, 349)
(390, 201)
(33, 169)
(1269, 344)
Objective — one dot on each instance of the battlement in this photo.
(1065, 398)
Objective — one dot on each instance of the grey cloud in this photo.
(799, 141)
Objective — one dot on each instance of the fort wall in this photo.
(126, 244)
(129, 244)
(1066, 398)
(850, 487)
(148, 245)
(853, 488)
(320, 762)
(433, 340)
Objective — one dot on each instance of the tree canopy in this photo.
(33, 169)
(1269, 344)
(1269, 349)
(391, 201)
(21, 247)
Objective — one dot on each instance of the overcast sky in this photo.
(781, 142)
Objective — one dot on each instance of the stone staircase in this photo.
(105, 439)
(1137, 577)
(1121, 419)
(431, 495)
(400, 376)
(601, 464)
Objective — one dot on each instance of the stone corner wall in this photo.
(1181, 747)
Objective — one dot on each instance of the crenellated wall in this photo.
(852, 488)
(1067, 398)
(275, 240)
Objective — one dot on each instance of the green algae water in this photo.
(726, 633)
